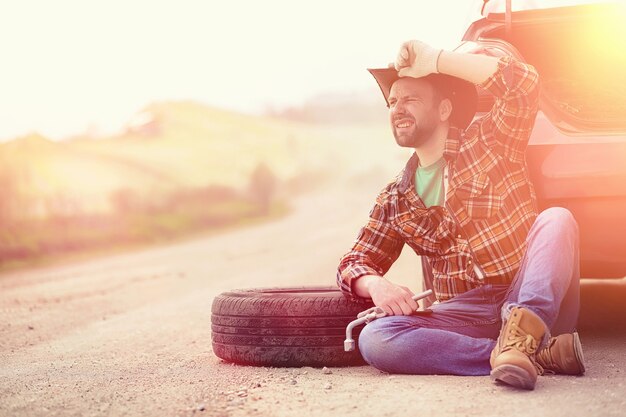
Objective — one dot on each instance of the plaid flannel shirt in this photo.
(479, 237)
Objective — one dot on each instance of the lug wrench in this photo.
(368, 315)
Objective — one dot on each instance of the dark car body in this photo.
(577, 151)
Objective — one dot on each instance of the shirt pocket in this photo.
(414, 223)
(480, 197)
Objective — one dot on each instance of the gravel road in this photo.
(130, 335)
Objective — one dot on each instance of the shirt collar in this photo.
(408, 173)
(452, 145)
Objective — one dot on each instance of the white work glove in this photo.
(416, 59)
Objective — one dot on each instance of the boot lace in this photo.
(545, 356)
(521, 341)
(526, 343)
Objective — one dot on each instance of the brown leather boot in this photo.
(513, 358)
(563, 355)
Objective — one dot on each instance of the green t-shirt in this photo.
(429, 183)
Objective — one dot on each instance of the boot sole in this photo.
(578, 351)
(514, 376)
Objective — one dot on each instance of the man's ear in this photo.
(445, 109)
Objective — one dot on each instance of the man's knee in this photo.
(381, 343)
(558, 217)
(372, 341)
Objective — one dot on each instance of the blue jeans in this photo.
(458, 336)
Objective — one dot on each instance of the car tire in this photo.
(285, 327)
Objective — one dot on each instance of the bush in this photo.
(262, 187)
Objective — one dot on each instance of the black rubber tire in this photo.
(285, 327)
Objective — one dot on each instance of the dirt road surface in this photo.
(130, 335)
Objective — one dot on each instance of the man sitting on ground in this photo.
(464, 201)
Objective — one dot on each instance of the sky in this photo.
(71, 66)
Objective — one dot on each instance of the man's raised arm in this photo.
(417, 59)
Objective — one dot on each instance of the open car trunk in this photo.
(577, 152)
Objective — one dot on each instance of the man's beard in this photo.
(422, 131)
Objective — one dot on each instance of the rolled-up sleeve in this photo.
(508, 125)
(376, 248)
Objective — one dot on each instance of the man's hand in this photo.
(394, 299)
(416, 59)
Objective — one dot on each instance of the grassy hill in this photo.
(174, 145)
(178, 167)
